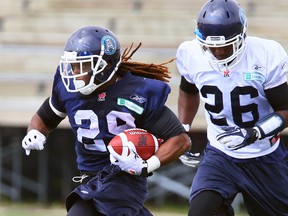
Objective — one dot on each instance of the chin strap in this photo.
(89, 89)
(85, 90)
(270, 125)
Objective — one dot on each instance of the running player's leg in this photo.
(113, 192)
(216, 205)
(265, 189)
(83, 207)
(214, 186)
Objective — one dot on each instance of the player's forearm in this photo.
(187, 107)
(173, 148)
(37, 124)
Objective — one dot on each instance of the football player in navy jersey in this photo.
(242, 83)
(103, 93)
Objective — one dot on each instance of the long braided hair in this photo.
(153, 71)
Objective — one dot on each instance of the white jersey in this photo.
(239, 98)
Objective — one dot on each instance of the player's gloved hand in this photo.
(34, 140)
(129, 162)
(190, 159)
(236, 138)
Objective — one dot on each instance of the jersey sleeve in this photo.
(181, 59)
(277, 66)
(54, 101)
(156, 93)
(185, 60)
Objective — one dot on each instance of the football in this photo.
(146, 143)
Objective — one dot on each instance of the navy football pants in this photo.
(111, 192)
(264, 186)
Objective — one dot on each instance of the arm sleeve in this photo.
(166, 125)
(49, 117)
(188, 87)
(278, 97)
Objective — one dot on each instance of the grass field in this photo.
(31, 210)
(58, 210)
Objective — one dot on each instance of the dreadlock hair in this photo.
(153, 71)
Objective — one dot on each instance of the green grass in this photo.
(7, 209)
(31, 210)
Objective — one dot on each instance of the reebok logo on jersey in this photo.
(284, 65)
(258, 68)
(254, 76)
(84, 192)
(130, 105)
(138, 98)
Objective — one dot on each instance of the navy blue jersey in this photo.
(131, 102)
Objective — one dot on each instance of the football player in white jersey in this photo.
(243, 85)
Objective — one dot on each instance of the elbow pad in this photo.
(270, 125)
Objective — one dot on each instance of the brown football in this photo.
(146, 143)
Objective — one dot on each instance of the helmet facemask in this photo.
(238, 46)
(222, 24)
(91, 58)
(70, 62)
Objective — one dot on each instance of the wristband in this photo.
(270, 125)
(186, 127)
(153, 163)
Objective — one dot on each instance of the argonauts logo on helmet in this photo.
(242, 17)
(109, 44)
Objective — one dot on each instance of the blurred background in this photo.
(32, 37)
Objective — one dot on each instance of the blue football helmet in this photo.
(91, 51)
(222, 23)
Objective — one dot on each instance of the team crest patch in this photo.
(254, 76)
(130, 105)
(109, 44)
(242, 17)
